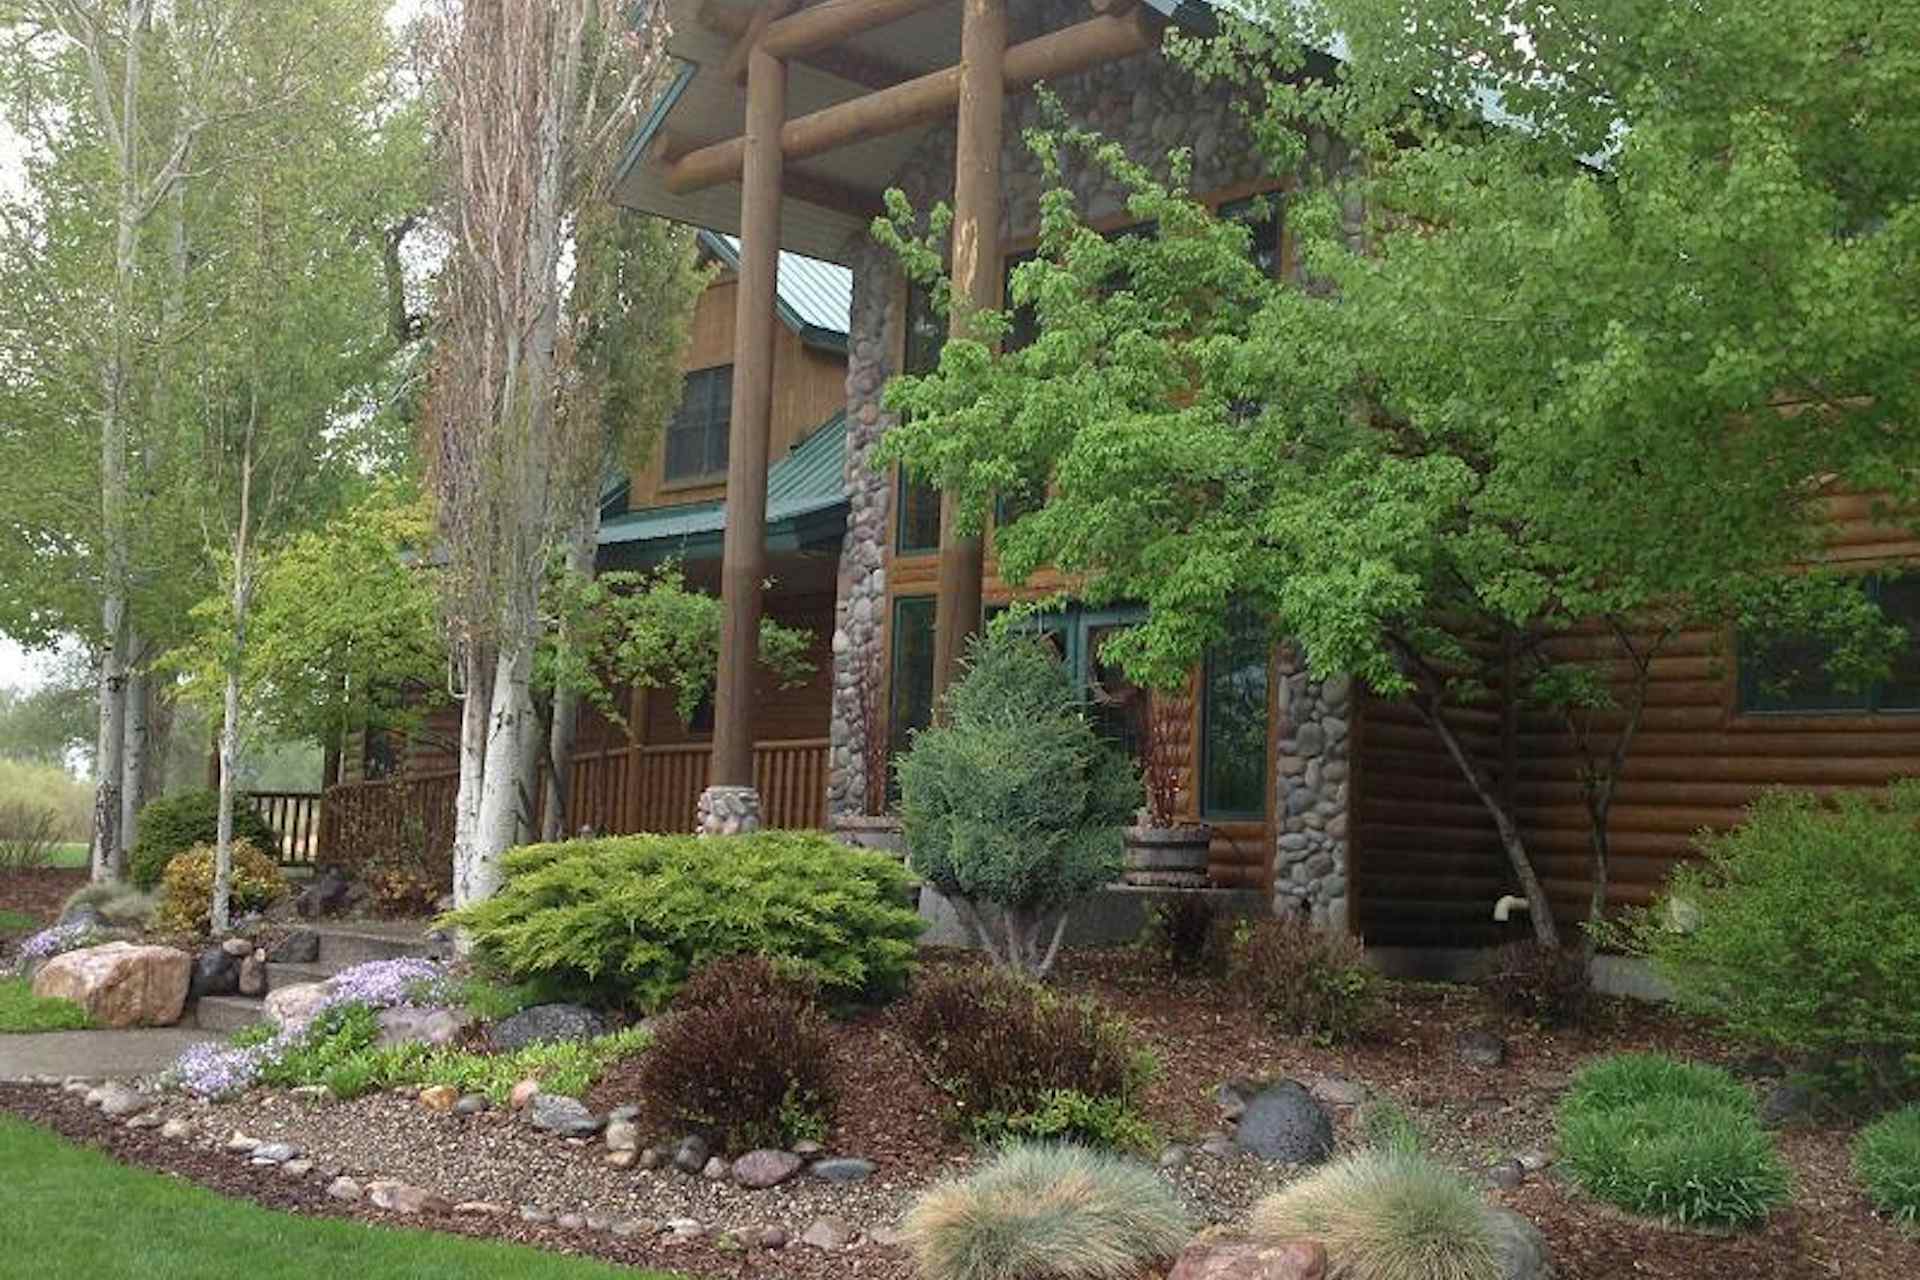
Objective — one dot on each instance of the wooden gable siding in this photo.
(809, 386)
(1428, 866)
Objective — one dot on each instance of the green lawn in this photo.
(15, 922)
(22, 1011)
(69, 855)
(77, 1213)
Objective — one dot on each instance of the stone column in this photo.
(1310, 864)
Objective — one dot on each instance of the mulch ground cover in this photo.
(39, 891)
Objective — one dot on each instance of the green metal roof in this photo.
(806, 498)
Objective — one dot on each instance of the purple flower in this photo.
(382, 984)
(61, 938)
(216, 1070)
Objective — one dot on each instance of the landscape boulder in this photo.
(1519, 1250)
(543, 1023)
(326, 894)
(1228, 1260)
(120, 984)
(301, 946)
(215, 973)
(291, 1008)
(408, 1024)
(557, 1113)
(765, 1168)
(1285, 1123)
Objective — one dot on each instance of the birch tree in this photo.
(536, 99)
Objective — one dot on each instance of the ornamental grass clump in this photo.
(1047, 1213)
(624, 921)
(1012, 805)
(1386, 1214)
(1670, 1140)
(1886, 1158)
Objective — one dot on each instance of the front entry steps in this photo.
(341, 946)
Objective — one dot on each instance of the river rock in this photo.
(563, 1115)
(1284, 1123)
(842, 1169)
(404, 1197)
(766, 1168)
(1227, 1260)
(543, 1023)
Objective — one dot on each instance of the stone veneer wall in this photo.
(1310, 795)
(1152, 107)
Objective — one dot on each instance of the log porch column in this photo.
(729, 803)
(976, 287)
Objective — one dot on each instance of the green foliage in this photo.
(491, 1001)
(29, 833)
(1020, 1060)
(22, 1012)
(1308, 982)
(1886, 1157)
(186, 890)
(1552, 986)
(1047, 1213)
(1625, 1079)
(15, 921)
(1387, 1126)
(1386, 1215)
(743, 1058)
(1013, 804)
(173, 824)
(1684, 1159)
(27, 783)
(1803, 932)
(649, 630)
(627, 919)
(42, 726)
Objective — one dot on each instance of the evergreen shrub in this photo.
(173, 824)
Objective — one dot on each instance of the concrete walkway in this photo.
(95, 1054)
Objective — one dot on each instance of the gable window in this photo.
(697, 436)
(1787, 674)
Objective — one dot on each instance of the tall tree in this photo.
(536, 98)
(1602, 362)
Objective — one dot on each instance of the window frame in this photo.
(1203, 757)
(717, 375)
(1747, 673)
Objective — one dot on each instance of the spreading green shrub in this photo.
(173, 824)
(625, 920)
(1800, 930)
(1022, 1061)
(1013, 806)
(1047, 1213)
(1552, 986)
(1386, 1215)
(1670, 1140)
(186, 891)
(743, 1058)
(1886, 1157)
(1308, 982)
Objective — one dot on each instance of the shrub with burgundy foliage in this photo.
(1548, 985)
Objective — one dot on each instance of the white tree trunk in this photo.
(475, 706)
(507, 722)
(219, 915)
(556, 822)
(108, 855)
(138, 742)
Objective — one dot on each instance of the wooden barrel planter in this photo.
(1167, 857)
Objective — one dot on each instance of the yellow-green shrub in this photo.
(186, 890)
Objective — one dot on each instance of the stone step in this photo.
(288, 975)
(227, 1013)
(343, 945)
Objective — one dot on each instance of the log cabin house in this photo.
(784, 123)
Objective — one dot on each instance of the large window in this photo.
(1233, 763)
(1787, 674)
(697, 436)
(912, 663)
(917, 504)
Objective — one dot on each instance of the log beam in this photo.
(923, 99)
(824, 25)
(976, 288)
(841, 63)
(735, 67)
(743, 552)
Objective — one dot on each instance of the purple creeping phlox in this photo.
(61, 938)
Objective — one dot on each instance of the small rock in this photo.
(177, 1129)
(544, 1023)
(627, 1112)
(570, 1222)
(1506, 1174)
(146, 1120)
(439, 1097)
(470, 1104)
(1175, 1157)
(523, 1094)
(276, 1152)
(715, 1170)
(480, 1209)
(767, 1237)
(622, 1159)
(238, 948)
(302, 946)
(120, 1100)
(595, 1222)
(827, 1233)
(842, 1169)
(1533, 1160)
(1479, 1048)
(297, 1168)
(1285, 1124)
(685, 1226)
(623, 1135)
(1338, 1091)
(1227, 1260)
(808, 1149)
(310, 1093)
(691, 1155)
(627, 1228)
(765, 1168)
(557, 1113)
(242, 1144)
(654, 1157)
(534, 1213)
(253, 975)
(404, 1197)
(343, 1188)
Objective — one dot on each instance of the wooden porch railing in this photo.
(296, 818)
(364, 823)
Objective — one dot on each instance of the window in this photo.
(1116, 705)
(912, 668)
(697, 436)
(1233, 766)
(916, 528)
(1788, 674)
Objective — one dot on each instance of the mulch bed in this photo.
(39, 891)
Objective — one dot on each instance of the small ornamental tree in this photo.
(1012, 805)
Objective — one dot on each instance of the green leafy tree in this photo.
(1507, 391)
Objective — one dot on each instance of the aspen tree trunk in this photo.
(556, 822)
(220, 913)
(138, 744)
